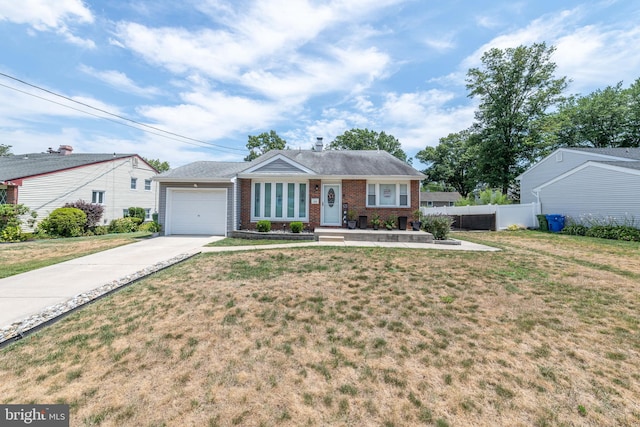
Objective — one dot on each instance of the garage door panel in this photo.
(198, 212)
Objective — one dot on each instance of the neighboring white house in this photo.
(600, 183)
(46, 181)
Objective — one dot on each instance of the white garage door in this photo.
(197, 211)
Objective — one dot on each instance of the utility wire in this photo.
(112, 114)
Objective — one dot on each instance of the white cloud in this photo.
(120, 81)
(420, 119)
(47, 15)
(442, 43)
(593, 56)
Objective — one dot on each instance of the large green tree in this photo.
(452, 162)
(158, 164)
(5, 150)
(607, 117)
(515, 87)
(365, 139)
(260, 144)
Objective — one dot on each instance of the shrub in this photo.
(100, 230)
(575, 230)
(11, 222)
(437, 224)
(136, 212)
(264, 226)
(12, 233)
(614, 232)
(93, 211)
(295, 226)
(123, 225)
(65, 222)
(152, 227)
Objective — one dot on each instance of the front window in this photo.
(147, 185)
(382, 194)
(97, 197)
(279, 201)
(134, 183)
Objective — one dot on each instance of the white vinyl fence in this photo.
(506, 215)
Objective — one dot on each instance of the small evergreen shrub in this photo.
(12, 233)
(93, 211)
(64, 222)
(296, 226)
(123, 225)
(437, 224)
(264, 226)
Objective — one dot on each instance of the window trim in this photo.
(147, 181)
(134, 183)
(258, 212)
(99, 200)
(377, 193)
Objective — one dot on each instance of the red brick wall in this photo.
(354, 193)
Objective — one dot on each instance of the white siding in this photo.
(48, 192)
(552, 166)
(595, 190)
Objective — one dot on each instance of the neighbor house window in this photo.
(279, 200)
(134, 183)
(147, 185)
(147, 213)
(382, 194)
(125, 213)
(97, 197)
(3, 196)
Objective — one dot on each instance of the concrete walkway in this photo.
(25, 295)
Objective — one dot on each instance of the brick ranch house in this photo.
(316, 187)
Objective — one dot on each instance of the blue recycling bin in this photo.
(556, 222)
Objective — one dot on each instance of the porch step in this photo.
(331, 238)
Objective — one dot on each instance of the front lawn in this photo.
(543, 333)
(16, 258)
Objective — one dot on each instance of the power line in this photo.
(164, 133)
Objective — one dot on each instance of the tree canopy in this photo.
(260, 144)
(607, 117)
(365, 139)
(515, 87)
(5, 150)
(452, 162)
(158, 164)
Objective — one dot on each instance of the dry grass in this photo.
(544, 333)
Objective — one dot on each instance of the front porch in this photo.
(370, 235)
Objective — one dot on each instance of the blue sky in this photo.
(217, 71)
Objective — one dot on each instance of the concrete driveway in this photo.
(25, 294)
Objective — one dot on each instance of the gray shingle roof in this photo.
(364, 163)
(26, 165)
(626, 153)
(349, 162)
(204, 170)
(439, 196)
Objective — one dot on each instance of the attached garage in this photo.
(196, 211)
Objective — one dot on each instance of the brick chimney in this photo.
(65, 150)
